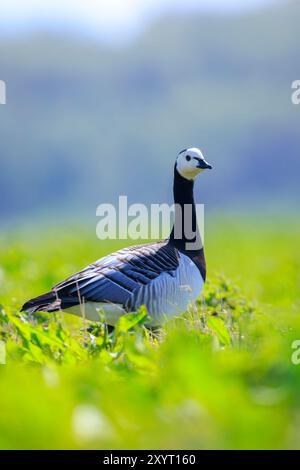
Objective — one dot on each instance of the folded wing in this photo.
(119, 276)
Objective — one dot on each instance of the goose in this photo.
(164, 276)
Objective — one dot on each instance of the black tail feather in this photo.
(46, 303)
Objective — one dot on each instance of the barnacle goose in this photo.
(164, 276)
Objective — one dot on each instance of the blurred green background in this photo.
(99, 101)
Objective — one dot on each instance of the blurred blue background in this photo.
(101, 95)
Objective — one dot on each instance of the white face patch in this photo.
(187, 163)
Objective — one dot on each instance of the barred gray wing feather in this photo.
(169, 293)
(116, 277)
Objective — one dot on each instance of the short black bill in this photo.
(203, 164)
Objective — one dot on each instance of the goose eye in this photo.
(188, 158)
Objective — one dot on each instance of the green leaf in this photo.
(218, 327)
(127, 322)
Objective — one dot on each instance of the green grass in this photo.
(221, 376)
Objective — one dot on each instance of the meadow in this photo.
(219, 377)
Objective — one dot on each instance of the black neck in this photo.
(185, 235)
